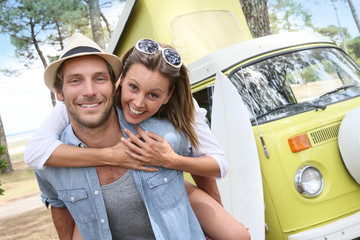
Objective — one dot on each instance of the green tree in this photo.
(288, 15)
(257, 18)
(333, 32)
(3, 165)
(34, 24)
(353, 12)
(354, 48)
(4, 154)
(95, 20)
(351, 6)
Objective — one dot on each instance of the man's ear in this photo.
(59, 95)
(168, 98)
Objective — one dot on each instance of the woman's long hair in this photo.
(180, 109)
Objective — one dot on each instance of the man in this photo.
(85, 81)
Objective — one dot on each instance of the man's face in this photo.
(87, 91)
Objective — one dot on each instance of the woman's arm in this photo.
(156, 151)
(69, 156)
(208, 160)
(45, 140)
(208, 145)
(44, 148)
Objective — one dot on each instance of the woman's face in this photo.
(143, 93)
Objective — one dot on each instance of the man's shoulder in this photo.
(155, 124)
(149, 124)
(68, 136)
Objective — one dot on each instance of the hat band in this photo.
(81, 49)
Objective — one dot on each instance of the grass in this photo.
(20, 182)
(32, 225)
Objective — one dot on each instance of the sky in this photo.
(25, 101)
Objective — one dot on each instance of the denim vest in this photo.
(163, 192)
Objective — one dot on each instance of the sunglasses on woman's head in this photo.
(170, 56)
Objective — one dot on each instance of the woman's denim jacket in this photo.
(163, 192)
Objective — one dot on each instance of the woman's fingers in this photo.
(148, 136)
(132, 146)
(135, 139)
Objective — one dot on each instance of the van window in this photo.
(295, 82)
(199, 33)
(204, 99)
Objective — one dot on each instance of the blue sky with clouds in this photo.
(25, 101)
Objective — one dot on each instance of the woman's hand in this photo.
(149, 148)
(122, 159)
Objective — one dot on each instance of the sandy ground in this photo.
(24, 217)
(27, 203)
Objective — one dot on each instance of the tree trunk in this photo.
(95, 19)
(41, 55)
(3, 142)
(257, 17)
(353, 11)
(108, 27)
(340, 28)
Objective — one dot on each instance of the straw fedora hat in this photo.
(79, 45)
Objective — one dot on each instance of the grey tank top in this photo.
(126, 211)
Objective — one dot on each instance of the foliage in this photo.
(10, 73)
(288, 15)
(3, 165)
(333, 32)
(354, 48)
(32, 24)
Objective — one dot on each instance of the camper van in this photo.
(292, 91)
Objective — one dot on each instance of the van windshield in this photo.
(295, 82)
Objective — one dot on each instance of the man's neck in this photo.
(107, 135)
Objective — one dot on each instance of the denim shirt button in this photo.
(72, 198)
(102, 220)
(96, 192)
(165, 179)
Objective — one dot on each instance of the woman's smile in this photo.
(143, 92)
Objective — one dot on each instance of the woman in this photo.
(155, 82)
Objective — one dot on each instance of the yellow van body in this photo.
(290, 214)
(198, 29)
(172, 22)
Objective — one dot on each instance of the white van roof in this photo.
(227, 57)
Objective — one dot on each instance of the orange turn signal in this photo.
(299, 143)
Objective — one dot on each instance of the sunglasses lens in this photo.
(148, 46)
(172, 57)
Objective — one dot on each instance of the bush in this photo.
(3, 165)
